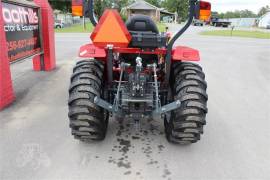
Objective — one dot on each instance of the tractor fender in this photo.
(92, 51)
(183, 53)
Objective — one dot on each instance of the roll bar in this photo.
(89, 10)
(192, 9)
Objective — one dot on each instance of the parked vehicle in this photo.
(132, 71)
(58, 24)
(197, 22)
(219, 22)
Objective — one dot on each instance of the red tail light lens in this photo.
(77, 7)
(203, 11)
(205, 5)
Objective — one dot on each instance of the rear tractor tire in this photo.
(185, 125)
(88, 122)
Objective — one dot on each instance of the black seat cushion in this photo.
(141, 23)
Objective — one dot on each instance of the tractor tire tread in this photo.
(90, 68)
(186, 123)
(87, 120)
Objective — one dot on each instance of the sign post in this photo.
(6, 88)
(48, 38)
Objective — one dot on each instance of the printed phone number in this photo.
(20, 44)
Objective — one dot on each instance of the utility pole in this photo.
(84, 6)
(84, 26)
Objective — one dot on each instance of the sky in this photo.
(231, 5)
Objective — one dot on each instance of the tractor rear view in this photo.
(131, 70)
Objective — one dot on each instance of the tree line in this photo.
(242, 14)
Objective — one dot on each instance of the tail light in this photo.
(77, 7)
(203, 11)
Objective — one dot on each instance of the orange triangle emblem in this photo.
(111, 30)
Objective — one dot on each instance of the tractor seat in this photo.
(145, 33)
(141, 23)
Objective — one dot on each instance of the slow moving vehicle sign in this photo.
(22, 28)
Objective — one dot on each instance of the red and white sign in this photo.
(21, 25)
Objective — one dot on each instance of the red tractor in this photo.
(130, 70)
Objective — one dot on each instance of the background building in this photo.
(143, 7)
(265, 21)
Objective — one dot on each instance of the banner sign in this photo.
(22, 30)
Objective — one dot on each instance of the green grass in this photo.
(78, 28)
(161, 27)
(238, 33)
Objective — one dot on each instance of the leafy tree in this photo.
(120, 4)
(156, 3)
(60, 5)
(179, 6)
(235, 14)
(263, 10)
(247, 14)
(101, 5)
